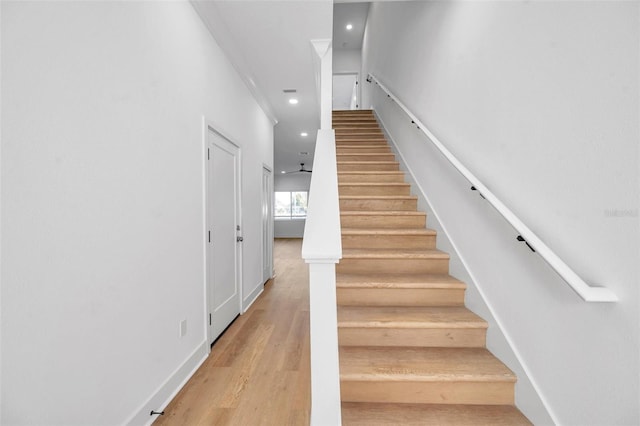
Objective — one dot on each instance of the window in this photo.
(291, 204)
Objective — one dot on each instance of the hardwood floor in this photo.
(258, 372)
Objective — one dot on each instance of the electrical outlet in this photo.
(183, 328)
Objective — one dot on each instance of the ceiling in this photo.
(349, 13)
(269, 44)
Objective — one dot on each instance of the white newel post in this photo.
(322, 249)
(325, 377)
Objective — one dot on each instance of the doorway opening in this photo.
(346, 91)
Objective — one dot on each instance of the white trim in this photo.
(588, 293)
(271, 222)
(359, 86)
(205, 228)
(464, 263)
(255, 293)
(323, 64)
(211, 126)
(170, 387)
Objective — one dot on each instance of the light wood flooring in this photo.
(258, 372)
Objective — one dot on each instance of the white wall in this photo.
(102, 203)
(347, 60)
(291, 228)
(540, 101)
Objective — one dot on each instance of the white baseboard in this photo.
(252, 297)
(170, 388)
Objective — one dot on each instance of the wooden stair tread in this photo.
(356, 122)
(370, 173)
(369, 184)
(366, 162)
(362, 155)
(388, 231)
(408, 317)
(352, 111)
(364, 363)
(381, 213)
(377, 197)
(408, 281)
(348, 138)
(380, 414)
(381, 253)
(362, 146)
(344, 117)
(358, 132)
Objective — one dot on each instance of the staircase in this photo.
(410, 352)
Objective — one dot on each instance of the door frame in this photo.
(208, 125)
(270, 224)
(358, 94)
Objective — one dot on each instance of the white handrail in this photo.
(587, 292)
(322, 249)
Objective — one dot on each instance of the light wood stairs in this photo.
(410, 352)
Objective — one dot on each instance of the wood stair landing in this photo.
(410, 352)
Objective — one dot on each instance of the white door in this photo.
(267, 225)
(345, 91)
(223, 219)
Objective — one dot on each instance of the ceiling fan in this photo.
(302, 170)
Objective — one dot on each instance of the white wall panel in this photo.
(102, 203)
(540, 101)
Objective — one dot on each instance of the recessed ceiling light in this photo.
(304, 134)
(349, 27)
(293, 101)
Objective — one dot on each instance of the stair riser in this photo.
(348, 112)
(400, 297)
(368, 167)
(390, 189)
(370, 177)
(389, 241)
(368, 221)
(367, 414)
(358, 134)
(366, 157)
(385, 265)
(378, 205)
(413, 337)
(486, 393)
(346, 142)
(351, 150)
(353, 115)
(355, 125)
(370, 123)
